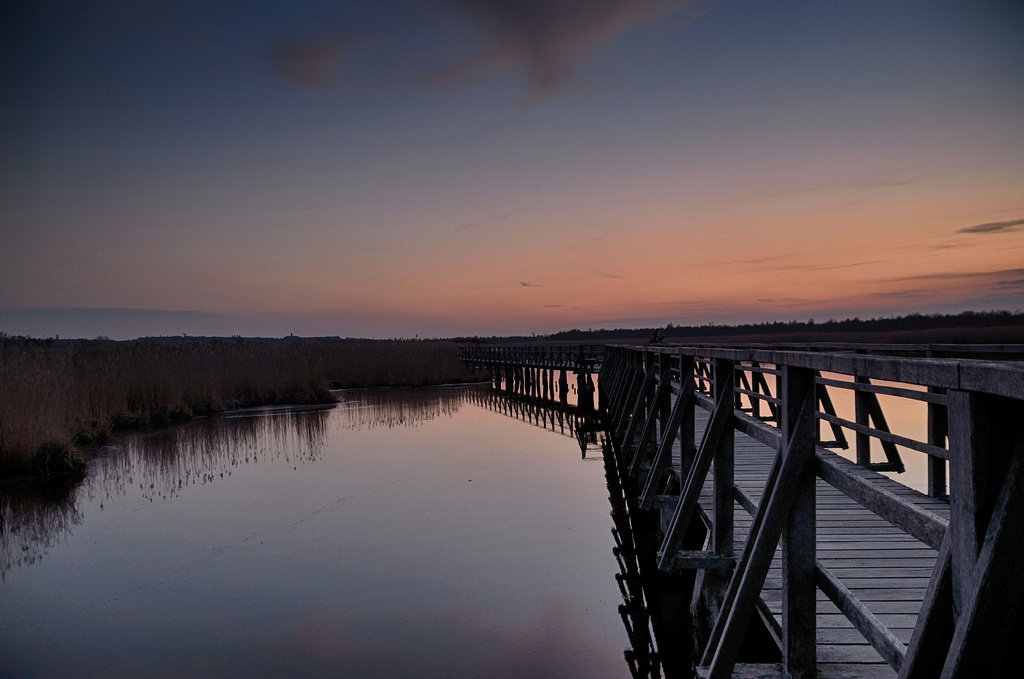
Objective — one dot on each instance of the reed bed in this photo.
(57, 399)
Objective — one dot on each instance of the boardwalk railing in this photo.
(530, 370)
(787, 400)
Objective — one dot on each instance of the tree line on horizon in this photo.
(910, 322)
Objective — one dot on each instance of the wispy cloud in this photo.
(960, 275)
(546, 39)
(994, 227)
(608, 274)
(782, 300)
(828, 267)
(310, 62)
(899, 294)
(529, 285)
(491, 220)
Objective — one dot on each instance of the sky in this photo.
(482, 167)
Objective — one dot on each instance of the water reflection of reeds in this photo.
(391, 408)
(164, 462)
(33, 517)
(161, 463)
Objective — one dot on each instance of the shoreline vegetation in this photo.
(59, 398)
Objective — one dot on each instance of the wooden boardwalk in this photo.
(880, 564)
(850, 572)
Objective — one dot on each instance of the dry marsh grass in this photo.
(54, 398)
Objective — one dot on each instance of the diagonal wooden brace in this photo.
(721, 419)
(663, 457)
(733, 620)
(664, 391)
(638, 407)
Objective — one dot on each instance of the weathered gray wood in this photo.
(888, 440)
(992, 603)
(638, 406)
(799, 603)
(825, 671)
(825, 401)
(997, 379)
(938, 428)
(976, 473)
(695, 476)
(923, 525)
(722, 533)
(877, 634)
(622, 410)
(765, 537)
(762, 384)
(691, 559)
(743, 565)
(889, 576)
(681, 411)
(927, 396)
(663, 392)
(935, 624)
(625, 385)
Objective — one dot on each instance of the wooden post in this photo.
(861, 416)
(722, 534)
(989, 624)
(938, 429)
(981, 429)
(755, 403)
(666, 404)
(799, 595)
(687, 425)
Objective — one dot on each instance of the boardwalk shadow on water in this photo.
(162, 463)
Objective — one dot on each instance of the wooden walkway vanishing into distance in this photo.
(850, 572)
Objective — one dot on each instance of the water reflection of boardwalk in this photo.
(564, 419)
(809, 553)
(634, 584)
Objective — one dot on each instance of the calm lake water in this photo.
(402, 533)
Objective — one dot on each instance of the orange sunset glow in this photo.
(437, 169)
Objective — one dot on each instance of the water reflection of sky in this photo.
(394, 535)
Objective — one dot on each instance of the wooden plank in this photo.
(928, 397)
(824, 671)
(693, 559)
(888, 439)
(923, 525)
(877, 634)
